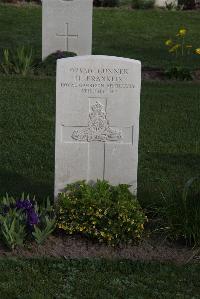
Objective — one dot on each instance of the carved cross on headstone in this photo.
(98, 136)
(66, 35)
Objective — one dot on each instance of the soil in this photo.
(158, 74)
(153, 74)
(63, 246)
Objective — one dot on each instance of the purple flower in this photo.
(27, 206)
(32, 217)
(24, 204)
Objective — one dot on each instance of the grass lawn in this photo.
(135, 34)
(50, 278)
(169, 135)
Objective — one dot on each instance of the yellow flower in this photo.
(197, 51)
(109, 238)
(174, 48)
(102, 234)
(182, 32)
(168, 42)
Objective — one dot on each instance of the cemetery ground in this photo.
(115, 32)
(168, 156)
(48, 278)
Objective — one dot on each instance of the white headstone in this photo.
(97, 120)
(163, 3)
(67, 26)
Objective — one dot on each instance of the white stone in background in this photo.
(66, 26)
(162, 3)
(97, 120)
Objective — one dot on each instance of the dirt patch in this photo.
(158, 74)
(196, 75)
(153, 74)
(64, 246)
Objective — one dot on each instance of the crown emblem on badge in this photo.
(98, 128)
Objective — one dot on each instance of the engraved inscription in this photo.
(98, 81)
(98, 127)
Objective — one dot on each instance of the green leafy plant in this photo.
(142, 4)
(178, 73)
(48, 66)
(19, 62)
(41, 234)
(6, 65)
(47, 222)
(13, 230)
(108, 213)
(180, 50)
(22, 61)
(23, 218)
(106, 3)
(180, 212)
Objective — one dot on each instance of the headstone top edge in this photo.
(97, 57)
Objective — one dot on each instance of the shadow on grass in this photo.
(158, 171)
(15, 184)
